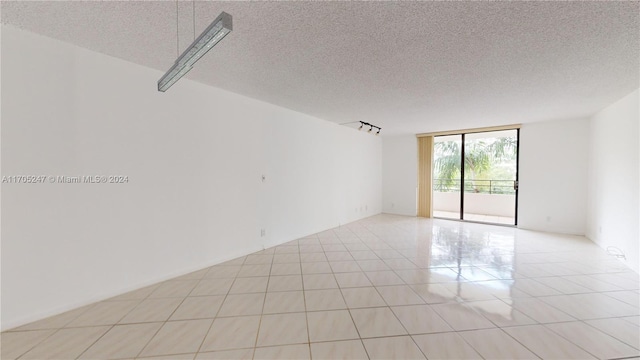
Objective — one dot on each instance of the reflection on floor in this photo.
(385, 287)
(491, 219)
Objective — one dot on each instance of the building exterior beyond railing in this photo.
(476, 186)
(482, 197)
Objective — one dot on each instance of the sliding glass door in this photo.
(485, 188)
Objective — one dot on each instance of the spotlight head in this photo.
(378, 133)
(361, 125)
(371, 128)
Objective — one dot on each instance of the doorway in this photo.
(485, 189)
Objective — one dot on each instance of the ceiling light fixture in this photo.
(363, 124)
(218, 29)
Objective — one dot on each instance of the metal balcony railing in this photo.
(506, 187)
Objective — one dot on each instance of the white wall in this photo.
(399, 174)
(194, 157)
(614, 178)
(553, 176)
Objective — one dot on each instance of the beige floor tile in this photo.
(232, 333)
(584, 306)
(545, 343)
(331, 325)
(594, 341)
(316, 268)
(422, 276)
(396, 347)
(152, 310)
(399, 295)
(14, 344)
(375, 322)
(619, 329)
(372, 265)
(254, 270)
(382, 278)
(562, 285)
(339, 350)
(55, 322)
(445, 346)
(319, 281)
(287, 249)
(312, 256)
(178, 337)
(500, 313)
(353, 279)
(364, 254)
(534, 288)
(249, 285)
(283, 329)
(104, 313)
(470, 291)
(235, 262)
(433, 293)
(169, 357)
(344, 266)
(240, 354)
(627, 296)
(66, 343)
(400, 264)
(547, 278)
(591, 283)
(286, 269)
(122, 341)
(136, 294)
(362, 297)
(194, 275)
(286, 258)
(255, 259)
(212, 287)
(284, 302)
(242, 304)
(198, 307)
(326, 299)
(174, 288)
(420, 319)
(496, 344)
(635, 320)
(461, 317)
(298, 352)
(540, 311)
(285, 283)
(219, 271)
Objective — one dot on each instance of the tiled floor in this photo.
(387, 287)
(492, 219)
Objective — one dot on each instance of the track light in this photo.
(363, 124)
(218, 29)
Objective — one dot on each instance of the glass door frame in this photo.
(462, 179)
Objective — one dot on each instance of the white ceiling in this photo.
(408, 67)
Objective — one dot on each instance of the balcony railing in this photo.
(506, 187)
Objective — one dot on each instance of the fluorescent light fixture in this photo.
(218, 29)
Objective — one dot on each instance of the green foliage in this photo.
(485, 159)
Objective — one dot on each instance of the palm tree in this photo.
(480, 156)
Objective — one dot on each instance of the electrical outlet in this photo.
(548, 218)
(263, 232)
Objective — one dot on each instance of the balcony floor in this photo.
(474, 217)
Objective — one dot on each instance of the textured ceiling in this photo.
(406, 66)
